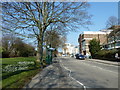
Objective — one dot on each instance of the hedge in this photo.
(107, 54)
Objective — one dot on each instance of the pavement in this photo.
(105, 62)
(53, 76)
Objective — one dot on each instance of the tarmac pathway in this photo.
(53, 76)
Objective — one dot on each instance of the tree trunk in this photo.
(40, 50)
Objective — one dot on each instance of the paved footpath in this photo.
(105, 62)
(53, 76)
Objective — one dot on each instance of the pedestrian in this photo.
(87, 55)
(116, 56)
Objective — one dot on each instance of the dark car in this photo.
(77, 56)
(82, 57)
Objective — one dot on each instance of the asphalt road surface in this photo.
(91, 74)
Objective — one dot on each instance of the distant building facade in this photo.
(69, 49)
(109, 39)
(113, 38)
(86, 36)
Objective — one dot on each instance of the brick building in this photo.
(86, 36)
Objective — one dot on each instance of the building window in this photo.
(118, 44)
(109, 46)
(117, 37)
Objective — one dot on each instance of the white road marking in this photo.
(72, 77)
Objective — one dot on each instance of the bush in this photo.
(5, 54)
(94, 46)
(106, 54)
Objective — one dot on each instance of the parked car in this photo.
(80, 56)
(72, 55)
(77, 56)
(63, 55)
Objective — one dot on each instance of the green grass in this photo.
(17, 79)
(17, 59)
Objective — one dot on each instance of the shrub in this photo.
(119, 53)
(106, 54)
(94, 46)
(5, 54)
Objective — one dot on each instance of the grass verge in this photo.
(17, 79)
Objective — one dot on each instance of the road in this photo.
(91, 74)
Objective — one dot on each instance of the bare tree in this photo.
(32, 19)
(8, 42)
(53, 39)
(111, 21)
(55, 36)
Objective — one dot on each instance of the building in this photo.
(59, 54)
(76, 50)
(69, 49)
(86, 36)
(109, 39)
(113, 38)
